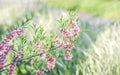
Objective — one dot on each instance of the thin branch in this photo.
(31, 56)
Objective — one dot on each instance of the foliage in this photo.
(28, 43)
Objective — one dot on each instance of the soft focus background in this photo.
(97, 50)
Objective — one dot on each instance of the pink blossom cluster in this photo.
(67, 46)
(49, 59)
(50, 65)
(50, 62)
(4, 49)
(68, 56)
(68, 34)
(13, 65)
(74, 28)
(58, 42)
(73, 32)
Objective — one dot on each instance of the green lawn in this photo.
(107, 8)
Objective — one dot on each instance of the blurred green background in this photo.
(105, 8)
(97, 50)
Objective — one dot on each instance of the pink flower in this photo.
(64, 31)
(65, 47)
(50, 66)
(75, 27)
(50, 62)
(68, 56)
(50, 59)
(39, 72)
(68, 46)
(67, 33)
(47, 69)
(39, 44)
(76, 34)
(58, 42)
(19, 55)
(76, 30)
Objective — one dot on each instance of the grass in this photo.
(102, 55)
(106, 8)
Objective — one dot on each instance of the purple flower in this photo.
(3, 55)
(11, 68)
(40, 72)
(4, 48)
